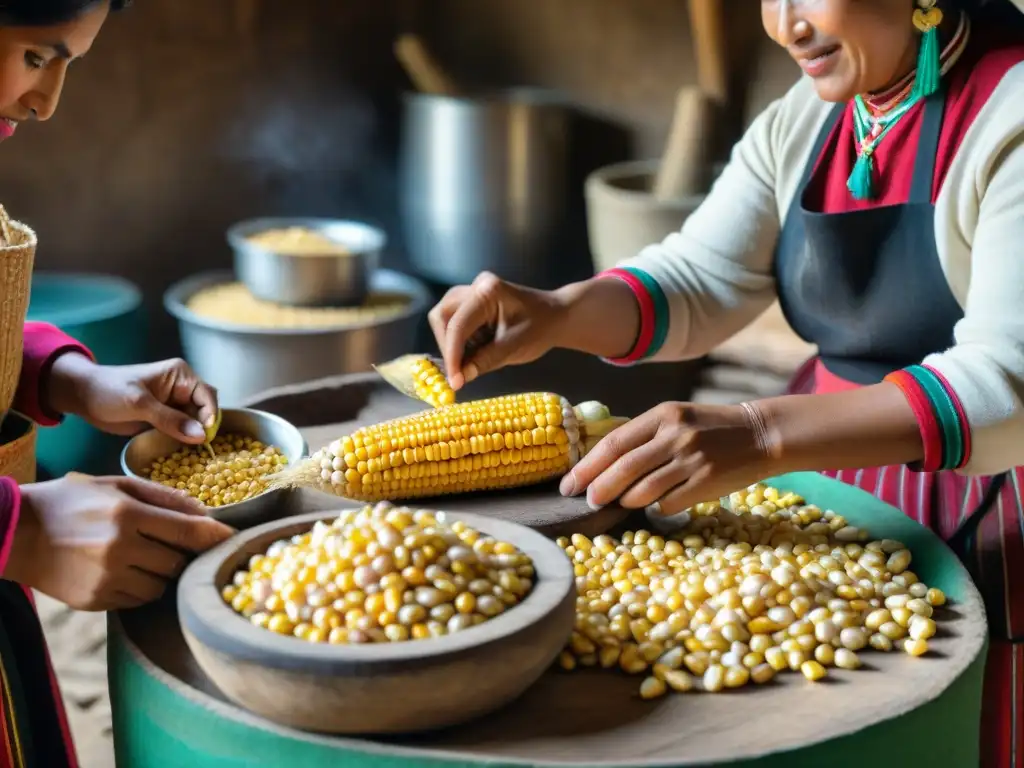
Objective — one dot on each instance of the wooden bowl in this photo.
(377, 688)
(145, 448)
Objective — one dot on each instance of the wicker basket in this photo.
(17, 254)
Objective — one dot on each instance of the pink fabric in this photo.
(44, 343)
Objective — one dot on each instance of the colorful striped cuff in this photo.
(654, 313)
(927, 420)
(965, 426)
(940, 416)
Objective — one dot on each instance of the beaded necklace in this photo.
(874, 117)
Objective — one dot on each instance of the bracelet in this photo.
(759, 427)
(949, 421)
(661, 309)
(927, 421)
(646, 303)
(965, 425)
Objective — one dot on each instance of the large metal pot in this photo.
(484, 185)
(242, 360)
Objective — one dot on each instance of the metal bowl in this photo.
(243, 360)
(145, 448)
(314, 279)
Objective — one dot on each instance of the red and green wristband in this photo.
(654, 313)
(940, 416)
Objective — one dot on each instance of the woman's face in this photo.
(846, 46)
(34, 62)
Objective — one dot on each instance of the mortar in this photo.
(623, 216)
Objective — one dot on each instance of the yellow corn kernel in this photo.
(430, 384)
(652, 688)
(915, 647)
(500, 442)
(813, 671)
(679, 681)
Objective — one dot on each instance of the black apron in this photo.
(866, 287)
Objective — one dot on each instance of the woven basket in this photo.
(18, 455)
(17, 254)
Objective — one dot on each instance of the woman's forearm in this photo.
(601, 317)
(869, 427)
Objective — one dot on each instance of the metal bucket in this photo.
(484, 185)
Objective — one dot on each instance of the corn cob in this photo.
(500, 442)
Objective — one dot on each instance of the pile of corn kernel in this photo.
(237, 470)
(233, 303)
(298, 241)
(770, 585)
(381, 574)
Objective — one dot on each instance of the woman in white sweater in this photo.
(881, 201)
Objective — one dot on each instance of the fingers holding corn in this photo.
(737, 597)
(670, 457)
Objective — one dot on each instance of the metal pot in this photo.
(484, 185)
(327, 279)
(242, 360)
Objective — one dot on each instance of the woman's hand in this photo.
(124, 399)
(507, 324)
(523, 321)
(673, 457)
(106, 543)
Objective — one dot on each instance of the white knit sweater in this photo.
(717, 271)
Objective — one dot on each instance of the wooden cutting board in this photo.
(330, 408)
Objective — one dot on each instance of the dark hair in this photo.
(45, 13)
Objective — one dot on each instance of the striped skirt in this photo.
(994, 556)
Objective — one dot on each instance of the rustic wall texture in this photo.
(191, 114)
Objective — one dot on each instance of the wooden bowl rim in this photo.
(203, 613)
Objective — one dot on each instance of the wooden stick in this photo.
(684, 164)
(707, 25)
(424, 72)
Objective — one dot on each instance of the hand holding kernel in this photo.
(106, 543)
(125, 399)
(523, 319)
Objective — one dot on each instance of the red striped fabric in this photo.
(942, 501)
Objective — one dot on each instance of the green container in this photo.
(161, 720)
(105, 314)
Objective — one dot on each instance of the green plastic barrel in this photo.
(105, 314)
(167, 714)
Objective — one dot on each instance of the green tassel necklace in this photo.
(927, 19)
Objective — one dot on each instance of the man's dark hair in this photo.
(45, 13)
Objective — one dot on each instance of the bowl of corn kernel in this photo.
(230, 474)
(243, 345)
(306, 261)
(378, 619)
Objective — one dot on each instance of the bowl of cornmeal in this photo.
(306, 261)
